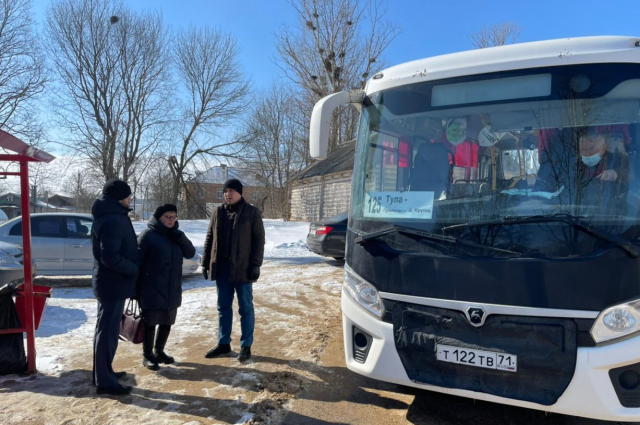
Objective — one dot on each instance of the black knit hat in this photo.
(116, 189)
(163, 209)
(233, 184)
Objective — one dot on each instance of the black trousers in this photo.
(105, 342)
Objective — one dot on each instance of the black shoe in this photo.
(162, 357)
(150, 361)
(119, 375)
(119, 390)
(218, 350)
(245, 354)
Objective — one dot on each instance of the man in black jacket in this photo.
(115, 270)
(232, 256)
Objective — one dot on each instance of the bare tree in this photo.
(336, 45)
(276, 150)
(216, 93)
(112, 66)
(82, 188)
(41, 176)
(22, 75)
(144, 67)
(156, 184)
(496, 35)
(4, 186)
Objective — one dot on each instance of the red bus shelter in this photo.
(24, 154)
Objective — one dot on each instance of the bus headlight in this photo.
(616, 322)
(363, 292)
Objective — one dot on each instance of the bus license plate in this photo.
(478, 358)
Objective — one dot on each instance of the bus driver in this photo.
(598, 162)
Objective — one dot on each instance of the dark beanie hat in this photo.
(163, 209)
(233, 184)
(116, 189)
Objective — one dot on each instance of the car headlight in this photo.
(363, 292)
(616, 322)
(7, 260)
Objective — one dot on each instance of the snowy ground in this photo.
(296, 298)
(296, 376)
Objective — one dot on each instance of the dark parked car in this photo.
(327, 237)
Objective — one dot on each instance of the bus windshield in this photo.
(485, 148)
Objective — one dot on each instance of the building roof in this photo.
(38, 203)
(217, 175)
(339, 159)
(66, 198)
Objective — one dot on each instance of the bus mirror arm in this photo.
(320, 127)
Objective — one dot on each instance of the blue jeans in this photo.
(225, 310)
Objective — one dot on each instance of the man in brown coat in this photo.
(233, 253)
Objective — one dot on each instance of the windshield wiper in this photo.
(563, 217)
(362, 239)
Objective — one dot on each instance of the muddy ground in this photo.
(296, 375)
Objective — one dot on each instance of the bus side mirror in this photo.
(321, 120)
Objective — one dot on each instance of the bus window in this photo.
(384, 163)
(394, 160)
(516, 163)
(431, 170)
(466, 161)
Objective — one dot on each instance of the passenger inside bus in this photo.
(585, 165)
(432, 170)
(601, 173)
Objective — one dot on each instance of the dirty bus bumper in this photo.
(591, 375)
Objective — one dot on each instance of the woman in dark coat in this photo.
(161, 249)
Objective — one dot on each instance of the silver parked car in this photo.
(11, 264)
(61, 243)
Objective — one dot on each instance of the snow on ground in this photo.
(71, 312)
(296, 290)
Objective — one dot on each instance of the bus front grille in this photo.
(546, 351)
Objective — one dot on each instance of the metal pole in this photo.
(28, 277)
(35, 194)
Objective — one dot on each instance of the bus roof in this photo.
(566, 51)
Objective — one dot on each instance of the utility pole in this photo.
(135, 200)
(145, 201)
(34, 194)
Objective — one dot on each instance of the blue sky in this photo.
(428, 27)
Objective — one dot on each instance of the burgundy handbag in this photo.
(132, 324)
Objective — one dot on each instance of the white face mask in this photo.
(592, 160)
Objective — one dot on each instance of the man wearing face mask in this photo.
(602, 171)
(596, 176)
(593, 152)
(597, 162)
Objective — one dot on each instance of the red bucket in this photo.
(40, 295)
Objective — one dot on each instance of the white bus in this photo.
(494, 229)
